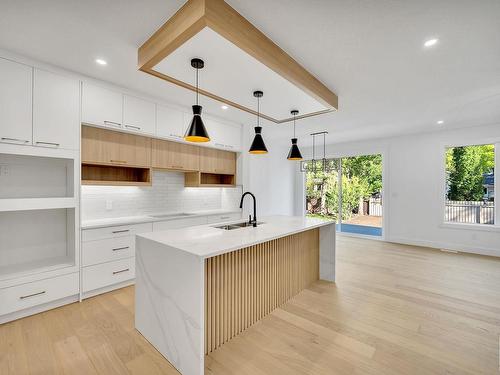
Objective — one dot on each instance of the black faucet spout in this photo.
(254, 220)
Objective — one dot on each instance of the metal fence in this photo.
(470, 212)
(375, 207)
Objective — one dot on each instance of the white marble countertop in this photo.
(125, 220)
(206, 241)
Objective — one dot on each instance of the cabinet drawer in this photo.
(224, 217)
(36, 293)
(116, 231)
(179, 223)
(109, 249)
(101, 275)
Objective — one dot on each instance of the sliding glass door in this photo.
(350, 192)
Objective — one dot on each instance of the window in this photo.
(470, 184)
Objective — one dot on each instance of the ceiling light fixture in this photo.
(294, 153)
(440, 122)
(101, 62)
(258, 146)
(430, 42)
(196, 132)
(324, 165)
(224, 107)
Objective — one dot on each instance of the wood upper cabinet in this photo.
(217, 161)
(106, 147)
(173, 155)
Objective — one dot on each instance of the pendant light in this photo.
(258, 146)
(294, 153)
(196, 131)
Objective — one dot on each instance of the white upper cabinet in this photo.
(15, 102)
(101, 106)
(139, 115)
(169, 123)
(223, 136)
(56, 110)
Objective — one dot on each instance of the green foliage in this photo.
(361, 178)
(465, 167)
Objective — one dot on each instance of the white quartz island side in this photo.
(197, 287)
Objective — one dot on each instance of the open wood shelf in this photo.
(115, 175)
(201, 179)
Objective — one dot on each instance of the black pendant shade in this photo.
(258, 146)
(196, 132)
(294, 153)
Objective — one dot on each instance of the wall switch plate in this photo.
(4, 169)
(109, 205)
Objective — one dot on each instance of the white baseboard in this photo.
(447, 246)
(38, 309)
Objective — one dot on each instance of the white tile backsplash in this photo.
(167, 194)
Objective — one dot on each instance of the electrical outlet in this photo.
(109, 205)
(4, 170)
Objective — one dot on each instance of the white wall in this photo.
(270, 177)
(414, 188)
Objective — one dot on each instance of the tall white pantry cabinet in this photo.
(39, 189)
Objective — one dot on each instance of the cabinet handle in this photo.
(133, 127)
(121, 248)
(14, 140)
(177, 166)
(229, 146)
(225, 217)
(121, 271)
(219, 144)
(121, 231)
(33, 295)
(48, 143)
(112, 123)
(118, 161)
(175, 135)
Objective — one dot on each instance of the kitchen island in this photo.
(198, 287)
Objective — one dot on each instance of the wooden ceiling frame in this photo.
(194, 16)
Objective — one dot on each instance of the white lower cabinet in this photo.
(24, 296)
(106, 274)
(108, 256)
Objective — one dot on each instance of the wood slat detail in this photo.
(243, 286)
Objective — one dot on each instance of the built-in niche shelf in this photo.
(37, 241)
(35, 177)
(201, 179)
(115, 175)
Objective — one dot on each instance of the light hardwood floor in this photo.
(395, 310)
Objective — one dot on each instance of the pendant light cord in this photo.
(258, 111)
(197, 70)
(294, 126)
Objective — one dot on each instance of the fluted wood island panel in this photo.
(243, 286)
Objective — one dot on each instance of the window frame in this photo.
(467, 226)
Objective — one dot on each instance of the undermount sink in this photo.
(164, 216)
(237, 225)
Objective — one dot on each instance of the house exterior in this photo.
(489, 185)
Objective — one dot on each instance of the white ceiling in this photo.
(233, 74)
(369, 52)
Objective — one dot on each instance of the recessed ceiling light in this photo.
(430, 42)
(224, 107)
(101, 62)
(440, 122)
